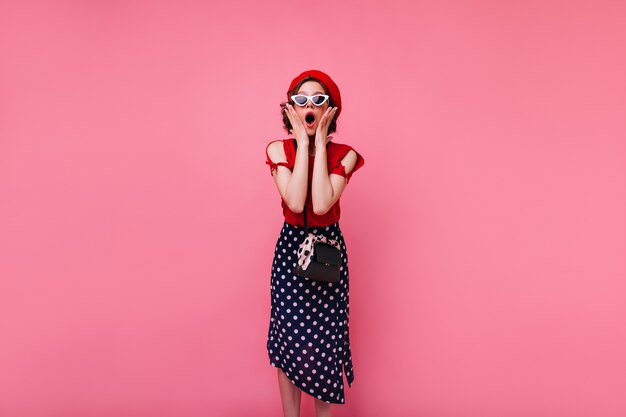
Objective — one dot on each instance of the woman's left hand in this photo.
(321, 138)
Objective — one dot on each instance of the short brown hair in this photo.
(287, 124)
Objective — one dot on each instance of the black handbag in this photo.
(319, 257)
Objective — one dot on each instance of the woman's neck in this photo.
(312, 149)
(311, 145)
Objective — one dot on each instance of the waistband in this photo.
(333, 226)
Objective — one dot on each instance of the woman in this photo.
(308, 338)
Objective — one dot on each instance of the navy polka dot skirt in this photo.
(308, 334)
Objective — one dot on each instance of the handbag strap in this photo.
(306, 229)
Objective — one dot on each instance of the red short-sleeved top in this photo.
(335, 152)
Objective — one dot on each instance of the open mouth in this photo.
(309, 119)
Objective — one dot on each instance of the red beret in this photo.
(331, 87)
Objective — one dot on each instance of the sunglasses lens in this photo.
(299, 100)
(319, 100)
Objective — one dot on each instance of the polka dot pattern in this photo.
(308, 335)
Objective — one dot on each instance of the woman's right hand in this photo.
(297, 126)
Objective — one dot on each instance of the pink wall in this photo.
(486, 232)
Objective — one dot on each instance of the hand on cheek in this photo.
(321, 134)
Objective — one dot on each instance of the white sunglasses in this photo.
(301, 99)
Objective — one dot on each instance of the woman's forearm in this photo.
(322, 190)
(297, 186)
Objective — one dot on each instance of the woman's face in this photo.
(310, 88)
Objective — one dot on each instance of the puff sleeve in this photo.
(340, 169)
(273, 165)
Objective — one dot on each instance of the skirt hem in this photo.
(303, 389)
